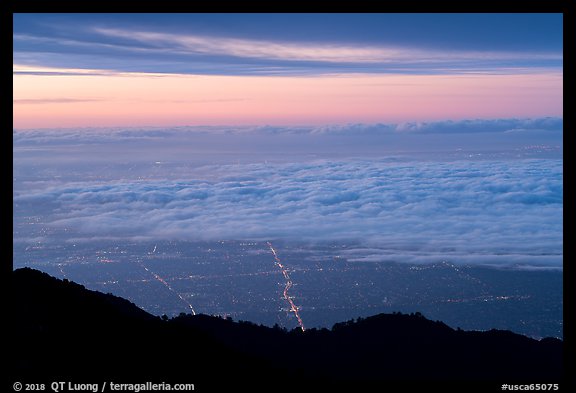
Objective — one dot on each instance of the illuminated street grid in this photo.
(242, 279)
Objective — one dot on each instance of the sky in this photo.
(423, 137)
(134, 70)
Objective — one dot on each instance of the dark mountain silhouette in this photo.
(62, 330)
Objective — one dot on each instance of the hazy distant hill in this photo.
(61, 329)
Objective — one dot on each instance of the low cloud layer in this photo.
(467, 126)
(494, 212)
(458, 138)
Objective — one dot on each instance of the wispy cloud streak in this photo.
(163, 51)
(327, 52)
(40, 101)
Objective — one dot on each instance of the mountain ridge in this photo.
(60, 328)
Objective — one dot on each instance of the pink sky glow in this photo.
(136, 99)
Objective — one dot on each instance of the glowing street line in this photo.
(62, 271)
(289, 284)
(163, 282)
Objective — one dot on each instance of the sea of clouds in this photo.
(501, 212)
(548, 126)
